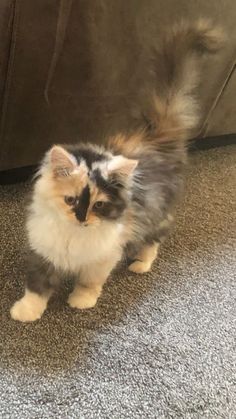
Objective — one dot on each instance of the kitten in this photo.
(91, 204)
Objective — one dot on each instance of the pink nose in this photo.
(84, 224)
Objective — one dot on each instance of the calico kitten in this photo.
(91, 204)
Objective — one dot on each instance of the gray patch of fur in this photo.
(41, 274)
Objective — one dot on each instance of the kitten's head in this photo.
(87, 184)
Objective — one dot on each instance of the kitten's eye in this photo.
(70, 200)
(99, 204)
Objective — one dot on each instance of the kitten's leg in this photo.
(90, 283)
(39, 287)
(148, 253)
(144, 258)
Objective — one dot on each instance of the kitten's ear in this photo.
(122, 166)
(62, 162)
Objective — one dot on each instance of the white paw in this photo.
(30, 307)
(139, 267)
(82, 299)
(24, 312)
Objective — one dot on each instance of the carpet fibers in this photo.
(161, 345)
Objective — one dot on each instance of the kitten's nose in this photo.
(80, 216)
(84, 224)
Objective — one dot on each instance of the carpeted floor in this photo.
(160, 345)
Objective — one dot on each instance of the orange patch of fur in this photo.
(128, 145)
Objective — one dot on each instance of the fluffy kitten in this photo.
(90, 204)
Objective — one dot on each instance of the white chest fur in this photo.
(69, 246)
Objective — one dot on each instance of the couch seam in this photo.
(9, 27)
(204, 127)
(10, 67)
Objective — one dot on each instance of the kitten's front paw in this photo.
(29, 308)
(23, 313)
(82, 298)
(139, 267)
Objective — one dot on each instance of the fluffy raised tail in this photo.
(172, 112)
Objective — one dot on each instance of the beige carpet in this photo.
(160, 345)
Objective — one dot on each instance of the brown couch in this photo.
(71, 70)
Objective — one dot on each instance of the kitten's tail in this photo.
(173, 111)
